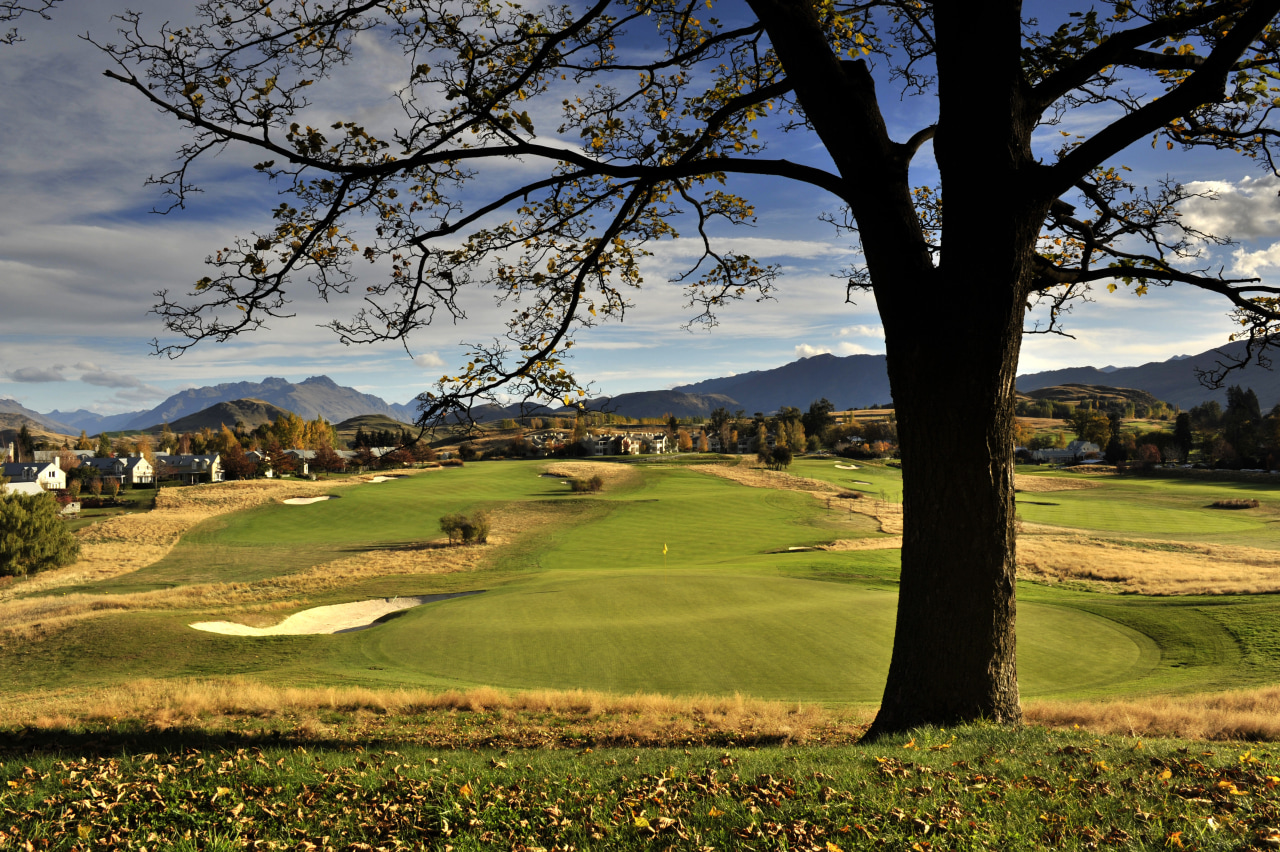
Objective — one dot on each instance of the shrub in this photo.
(1236, 503)
(32, 535)
(451, 463)
(850, 495)
(589, 485)
(467, 452)
(467, 530)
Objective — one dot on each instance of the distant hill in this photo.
(91, 422)
(11, 424)
(318, 396)
(1075, 394)
(370, 423)
(251, 412)
(659, 403)
(1173, 381)
(852, 381)
(12, 406)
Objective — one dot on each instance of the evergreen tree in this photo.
(1183, 438)
(32, 535)
(104, 450)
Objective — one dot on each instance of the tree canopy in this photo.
(541, 152)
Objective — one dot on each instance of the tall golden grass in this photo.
(1239, 715)
(1148, 566)
(1252, 715)
(638, 718)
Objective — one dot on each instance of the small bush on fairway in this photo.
(451, 463)
(590, 485)
(1236, 503)
(850, 495)
(468, 530)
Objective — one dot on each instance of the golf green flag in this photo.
(664, 548)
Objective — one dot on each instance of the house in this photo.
(49, 455)
(131, 470)
(47, 475)
(21, 488)
(189, 469)
(302, 460)
(1074, 452)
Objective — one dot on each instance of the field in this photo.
(705, 604)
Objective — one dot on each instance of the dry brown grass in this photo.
(127, 543)
(888, 515)
(1036, 484)
(1241, 715)
(1150, 567)
(131, 542)
(612, 474)
(604, 718)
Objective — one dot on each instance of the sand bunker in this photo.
(849, 467)
(338, 618)
(306, 501)
(381, 478)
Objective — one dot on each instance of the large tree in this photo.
(662, 107)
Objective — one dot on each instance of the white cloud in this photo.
(876, 331)
(1246, 210)
(36, 375)
(804, 350)
(847, 348)
(429, 359)
(1250, 263)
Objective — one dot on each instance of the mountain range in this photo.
(853, 381)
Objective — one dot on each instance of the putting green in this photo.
(687, 632)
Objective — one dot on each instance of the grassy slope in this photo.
(588, 601)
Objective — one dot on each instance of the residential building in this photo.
(189, 469)
(48, 475)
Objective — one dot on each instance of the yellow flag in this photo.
(664, 548)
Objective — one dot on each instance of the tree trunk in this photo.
(953, 389)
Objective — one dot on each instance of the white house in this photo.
(190, 469)
(129, 470)
(1074, 452)
(48, 475)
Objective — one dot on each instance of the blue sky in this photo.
(81, 255)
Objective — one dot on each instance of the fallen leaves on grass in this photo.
(1043, 791)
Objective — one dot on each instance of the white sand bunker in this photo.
(338, 618)
(382, 478)
(306, 501)
(849, 467)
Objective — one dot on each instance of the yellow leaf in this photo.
(465, 791)
(1166, 775)
(1168, 146)
(640, 822)
(221, 791)
(716, 812)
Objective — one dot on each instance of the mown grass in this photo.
(970, 788)
(579, 595)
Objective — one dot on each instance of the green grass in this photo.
(971, 788)
(588, 599)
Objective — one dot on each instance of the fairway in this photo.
(690, 632)
(669, 581)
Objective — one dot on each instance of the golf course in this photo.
(669, 581)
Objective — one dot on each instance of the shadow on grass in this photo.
(28, 742)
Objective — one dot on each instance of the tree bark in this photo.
(954, 648)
